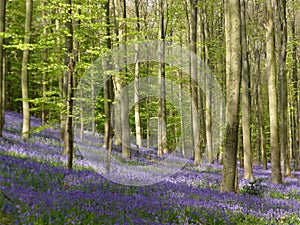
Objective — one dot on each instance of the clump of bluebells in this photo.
(256, 187)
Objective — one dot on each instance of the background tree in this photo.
(2, 79)
(271, 70)
(283, 101)
(245, 104)
(108, 93)
(68, 77)
(24, 73)
(162, 117)
(194, 87)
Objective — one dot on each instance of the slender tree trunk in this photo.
(137, 119)
(44, 73)
(283, 102)
(125, 128)
(24, 73)
(246, 111)
(182, 119)
(2, 75)
(117, 79)
(295, 112)
(70, 64)
(108, 93)
(108, 86)
(233, 76)
(194, 87)
(162, 118)
(259, 107)
(208, 89)
(271, 70)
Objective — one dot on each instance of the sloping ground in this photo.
(37, 189)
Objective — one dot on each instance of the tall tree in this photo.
(245, 104)
(125, 128)
(271, 70)
(2, 84)
(137, 118)
(24, 73)
(194, 86)
(162, 116)
(69, 92)
(233, 77)
(295, 96)
(117, 13)
(283, 101)
(259, 107)
(108, 94)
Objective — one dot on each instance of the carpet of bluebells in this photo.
(36, 188)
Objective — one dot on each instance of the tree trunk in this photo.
(162, 118)
(125, 128)
(194, 87)
(246, 111)
(295, 112)
(259, 107)
(69, 92)
(2, 75)
(44, 73)
(283, 101)
(137, 119)
(271, 70)
(108, 94)
(24, 73)
(233, 76)
(117, 80)
(208, 90)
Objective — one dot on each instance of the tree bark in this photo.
(295, 100)
(194, 87)
(125, 128)
(69, 92)
(24, 73)
(271, 70)
(2, 75)
(233, 76)
(283, 101)
(259, 107)
(246, 110)
(137, 119)
(162, 117)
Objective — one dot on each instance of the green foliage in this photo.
(291, 194)
(253, 187)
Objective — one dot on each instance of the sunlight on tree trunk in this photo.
(24, 73)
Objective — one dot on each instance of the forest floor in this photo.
(36, 188)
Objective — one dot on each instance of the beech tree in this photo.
(283, 101)
(162, 119)
(245, 104)
(68, 86)
(233, 77)
(24, 73)
(194, 87)
(271, 70)
(2, 75)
